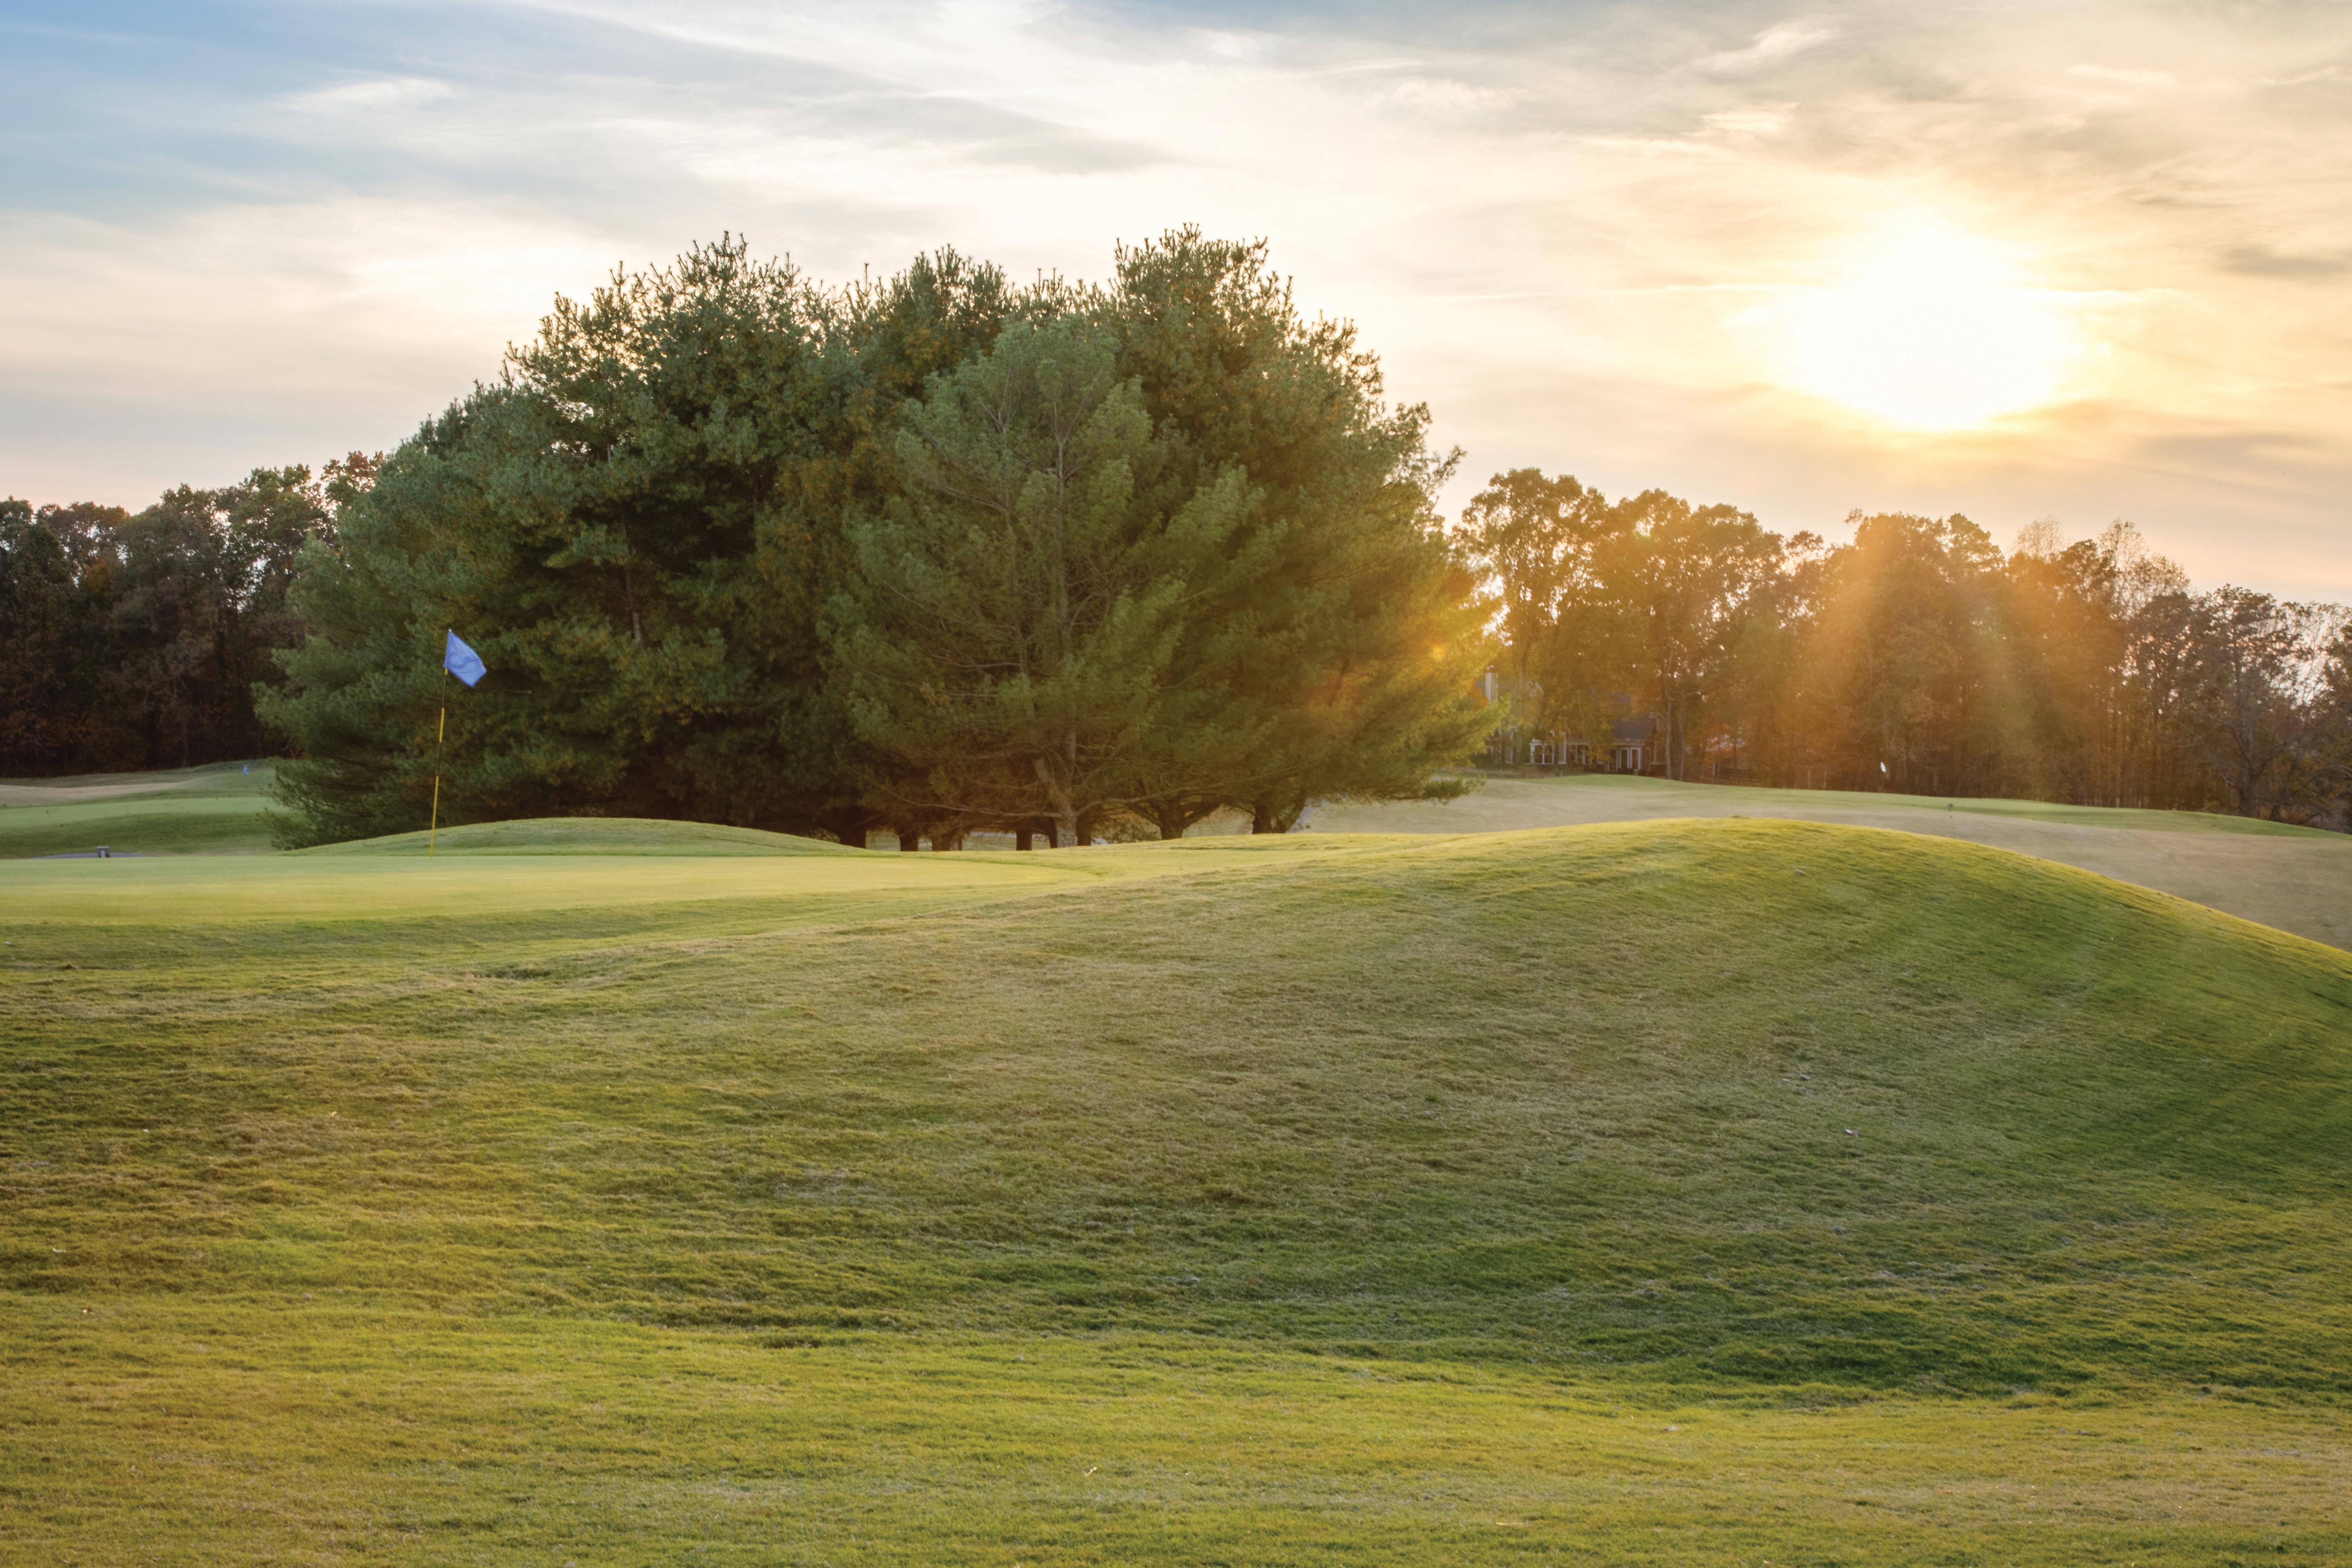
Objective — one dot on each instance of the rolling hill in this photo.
(1663, 1192)
(2296, 878)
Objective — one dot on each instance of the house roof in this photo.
(1635, 730)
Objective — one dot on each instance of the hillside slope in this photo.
(2296, 878)
(1784, 1101)
(1746, 1111)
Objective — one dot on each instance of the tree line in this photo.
(137, 640)
(1919, 657)
(939, 552)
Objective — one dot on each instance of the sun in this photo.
(1932, 330)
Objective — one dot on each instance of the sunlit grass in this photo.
(1325, 1199)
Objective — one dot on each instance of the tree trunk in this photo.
(909, 839)
(1269, 816)
(1057, 796)
(1023, 837)
(1172, 819)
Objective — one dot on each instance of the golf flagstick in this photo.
(464, 663)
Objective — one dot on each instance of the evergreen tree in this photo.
(1009, 634)
(636, 527)
(1340, 660)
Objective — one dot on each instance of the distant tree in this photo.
(68, 713)
(1685, 578)
(1905, 669)
(2329, 729)
(136, 640)
(203, 579)
(1544, 543)
(1756, 689)
(2251, 653)
(37, 591)
(2062, 661)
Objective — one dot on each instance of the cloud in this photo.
(1774, 44)
(1747, 124)
(2304, 78)
(1656, 146)
(2124, 75)
(389, 92)
(1445, 99)
(2261, 261)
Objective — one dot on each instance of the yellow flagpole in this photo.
(434, 831)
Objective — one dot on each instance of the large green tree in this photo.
(638, 528)
(631, 528)
(1341, 661)
(643, 525)
(1009, 634)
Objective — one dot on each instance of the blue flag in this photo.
(462, 662)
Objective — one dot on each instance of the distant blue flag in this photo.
(462, 662)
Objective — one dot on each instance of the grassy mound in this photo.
(587, 836)
(2296, 878)
(1336, 1169)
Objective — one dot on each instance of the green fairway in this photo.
(193, 811)
(2297, 878)
(1719, 1192)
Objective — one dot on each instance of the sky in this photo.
(2050, 261)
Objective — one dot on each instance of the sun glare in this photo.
(1932, 331)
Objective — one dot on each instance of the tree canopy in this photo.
(1917, 657)
(924, 553)
(137, 640)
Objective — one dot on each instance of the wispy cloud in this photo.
(1773, 45)
(2261, 261)
(1745, 123)
(391, 92)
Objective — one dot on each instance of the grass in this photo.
(2296, 878)
(212, 810)
(1660, 1193)
(1763, 802)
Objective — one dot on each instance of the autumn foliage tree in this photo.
(1918, 657)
